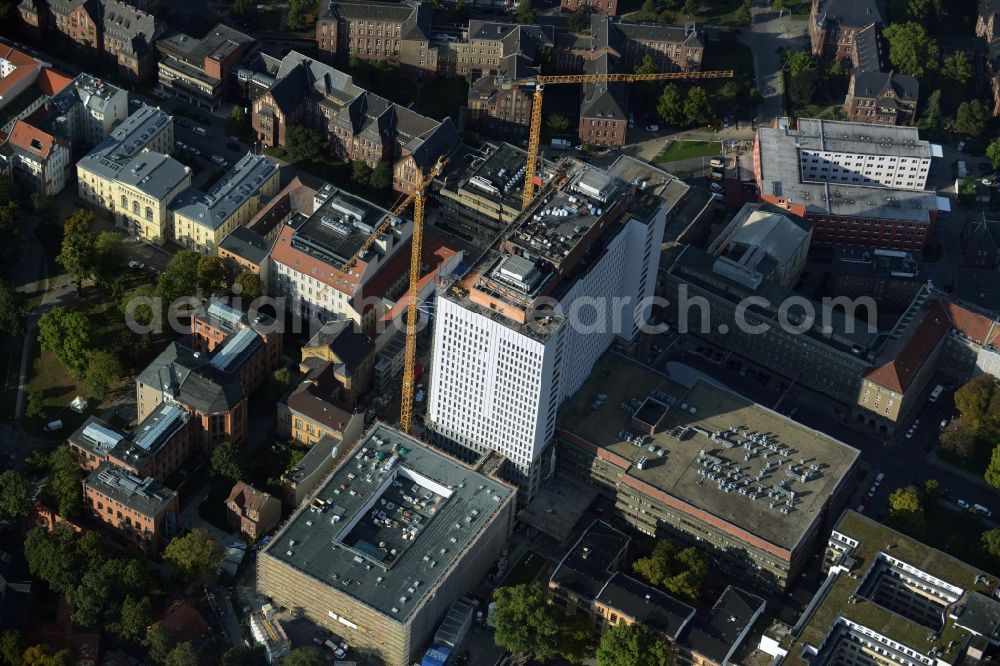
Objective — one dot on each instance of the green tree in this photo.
(911, 49)
(241, 7)
(109, 259)
(991, 542)
(11, 647)
(303, 143)
(670, 105)
(158, 642)
(78, 254)
(103, 372)
(193, 556)
(799, 61)
(632, 645)
(9, 214)
(183, 654)
(133, 617)
(992, 474)
(523, 13)
(993, 153)
(361, 173)
(12, 309)
(906, 511)
(303, 656)
(180, 279)
(66, 335)
(42, 655)
(381, 176)
(913, 10)
(141, 302)
(971, 118)
(691, 7)
(958, 439)
(697, 109)
(278, 384)
(52, 556)
(579, 21)
(681, 572)
(211, 273)
(524, 622)
(227, 462)
(44, 207)
(931, 488)
(15, 499)
(299, 13)
(973, 399)
(34, 408)
(237, 120)
(930, 119)
(802, 87)
(248, 286)
(557, 123)
(647, 66)
(957, 70)
(64, 491)
(244, 656)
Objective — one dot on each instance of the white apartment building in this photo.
(504, 356)
(87, 110)
(847, 153)
(38, 160)
(311, 249)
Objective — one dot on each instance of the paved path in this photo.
(767, 33)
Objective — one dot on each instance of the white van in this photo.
(53, 425)
(936, 393)
(717, 162)
(200, 130)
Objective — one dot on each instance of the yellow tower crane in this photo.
(416, 197)
(539, 82)
(416, 252)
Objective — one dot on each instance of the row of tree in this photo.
(527, 623)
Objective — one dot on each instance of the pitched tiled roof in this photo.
(853, 13)
(977, 327)
(317, 398)
(897, 374)
(31, 140)
(247, 498)
(24, 66)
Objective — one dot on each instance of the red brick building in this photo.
(141, 510)
(834, 25)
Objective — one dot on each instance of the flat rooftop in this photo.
(339, 225)
(141, 494)
(213, 208)
(390, 522)
(781, 177)
(872, 539)
(861, 138)
(752, 461)
(495, 173)
(696, 267)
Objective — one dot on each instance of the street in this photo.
(769, 32)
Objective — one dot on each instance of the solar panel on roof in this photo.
(105, 437)
(225, 313)
(168, 416)
(233, 348)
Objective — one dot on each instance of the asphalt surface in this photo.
(767, 34)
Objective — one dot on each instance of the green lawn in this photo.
(526, 569)
(688, 150)
(717, 12)
(443, 97)
(58, 388)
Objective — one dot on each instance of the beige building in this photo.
(253, 512)
(201, 220)
(384, 585)
(316, 409)
(131, 175)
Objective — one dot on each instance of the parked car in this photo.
(715, 187)
(961, 146)
(962, 503)
(200, 130)
(653, 127)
